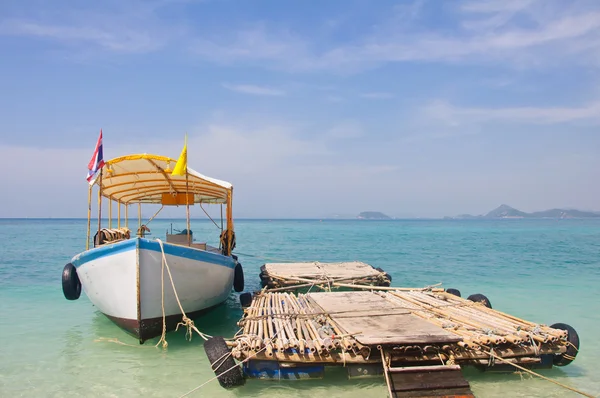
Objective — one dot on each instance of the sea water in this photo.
(546, 271)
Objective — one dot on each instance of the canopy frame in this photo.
(147, 179)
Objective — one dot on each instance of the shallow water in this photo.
(546, 271)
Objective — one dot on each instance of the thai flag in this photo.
(97, 160)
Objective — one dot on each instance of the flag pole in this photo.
(187, 207)
(187, 196)
(179, 170)
(87, 242)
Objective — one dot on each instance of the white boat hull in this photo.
(123, 281)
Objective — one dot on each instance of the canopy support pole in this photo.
(99, 205)
(126, 215)
(229, 247)
(110, 213)
(187, 208)
(155, 214)
(139, 215)
(119, 215)
(87, 241)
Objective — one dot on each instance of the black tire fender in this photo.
(238, 278)
(480, 298)
(221, 360)
(246, 300)
(572, 345)
(71, 284)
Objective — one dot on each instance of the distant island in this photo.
(373, 215)
(505, 211)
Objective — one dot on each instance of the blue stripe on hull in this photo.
(188, 252)
(104, 251)
(142, 243)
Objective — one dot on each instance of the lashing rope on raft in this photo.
(492, 355)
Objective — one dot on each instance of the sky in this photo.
(309, 108)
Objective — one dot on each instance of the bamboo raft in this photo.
(418, 326)
(320, 276)
(418, 338)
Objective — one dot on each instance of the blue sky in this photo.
(413, 108)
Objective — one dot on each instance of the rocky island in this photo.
(373, 215)
(505, 211)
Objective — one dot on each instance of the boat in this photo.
(147, 286)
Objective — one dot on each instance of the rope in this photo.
(117, 341)
(185, 321)
(233, 367)
(267, 258)
(221, 228)
(491, 354)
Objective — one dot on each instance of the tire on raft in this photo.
(265, 279)
(238, 278)
(572, 345)
(386, 275)
(221, 360)
(480, 298)
(71, 285)
(454, 292)
(245, 299)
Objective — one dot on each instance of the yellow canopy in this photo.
(147, 179)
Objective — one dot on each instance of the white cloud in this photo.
(112, 26)
(277, 174)
(482, 32)
(252, 44)
(334, 98)
(123, 40)
(377, 95)
(345, 130)
(254, 90)
(454, 116)
(496, 6)
(487, 32)
(249, 157)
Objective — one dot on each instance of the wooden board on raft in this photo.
(379, 321)
(446, 383)
(314, 270)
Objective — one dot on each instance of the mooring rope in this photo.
(491, 354)
(117, 341)
(207, 215)
(233, 367)
(270, 258)
(185, 321)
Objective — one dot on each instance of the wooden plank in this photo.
(432, 368)
(339, 303)
(353, 311)
(440, 393)
(430, 383)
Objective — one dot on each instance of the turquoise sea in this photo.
(545, 271)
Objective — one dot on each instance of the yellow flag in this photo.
(181, 166)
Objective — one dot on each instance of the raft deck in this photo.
(419, 337)
(321, 276)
